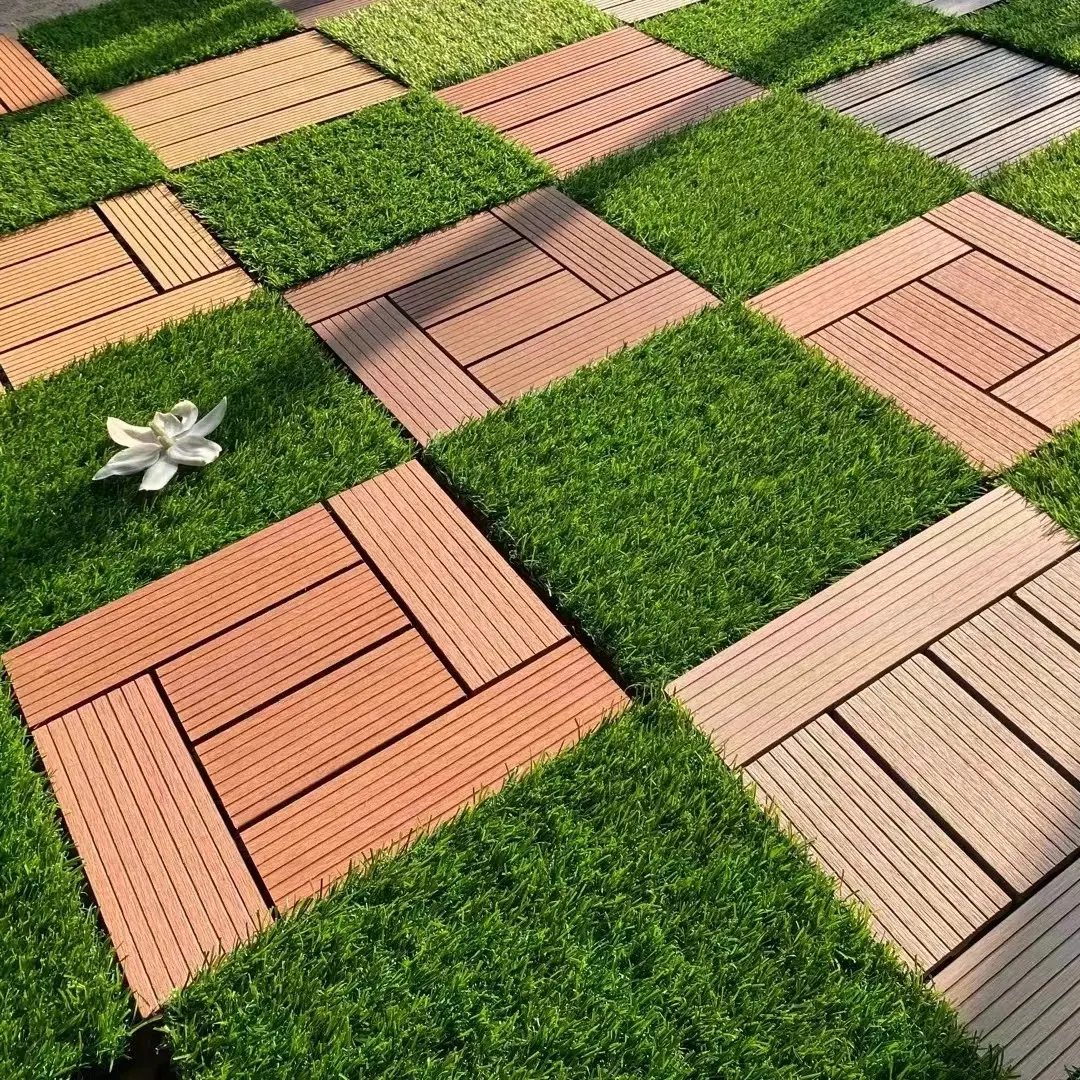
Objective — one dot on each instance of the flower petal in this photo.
(193, 450)
(186, 412)
(210, 420)
(158, 475)
(167, 422)
(120, 431)
(132, 460)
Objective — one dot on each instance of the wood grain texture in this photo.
(23, 81)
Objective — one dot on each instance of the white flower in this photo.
(173, 439)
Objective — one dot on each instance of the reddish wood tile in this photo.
(309, 12)
(23, 81)
(1049, 391)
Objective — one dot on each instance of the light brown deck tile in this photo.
(23, 81)
(171, 884)
(1048, 391)
(50, 236)
(309, 12)
(1055, 596)
(65, 266)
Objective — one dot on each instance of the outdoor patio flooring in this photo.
(917, 723)
(104, 274)
(636, 10)
(23, 81)
(602, 96)
(962, 100)
(969, 317)
(249, 97)
(309, 12)
(240, 732)
(448, 327)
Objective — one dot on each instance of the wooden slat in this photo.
(428, 776)
(1019, 986)
(1055, 596)
(925, 894)
(301, 740)
(168, 240)
(481, 616)
(1048, 392)
(1013, 808)
(592, 336)
(64, 266)
(50, 236)
(170, 883)
(56, 671)
(990, 433)
(848, 282)
(754, 693)
(1025, 670)
(309, 12)
(582, 242)
(23, 81)
(636, 10)
(244, 668)
(419, 383)
(53, 353)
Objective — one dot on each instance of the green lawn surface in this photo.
(763, 192)
(121, 41)
(328, 195)
(797, 43)
(435, 43)
(1050, 478)
(1044, 186)
(1049, 29)
(64, 155)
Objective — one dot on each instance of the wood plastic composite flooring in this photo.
(234, 737)
(962, 100)
(249, 97)
(968, 317)
(602, 96)
(636, 10)
(23, 81)
(448, 327)
(918, 723)
(104, 274)
(309, 12)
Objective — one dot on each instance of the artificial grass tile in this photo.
(682, 494)
(63, 1005)
(297, 430)
(1050, 478)
(121, 41)
(764, 191)
(337, 192)
(64, 155)
(797, 43)
(625, 911)
(436, 43)
(1049, 29)
(1044, 186)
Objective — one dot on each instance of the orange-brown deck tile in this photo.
(235, 736)
(968, 317)
(24, 81)
(249, 97)
(602, 96)
(448, 327)
(309, 12)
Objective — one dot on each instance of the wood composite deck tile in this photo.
(964, 101)
(24, 81)
(105, 274)
(602, 96)
(309, 12)
(249, 97)
(447, 327)
(968, 318)
(333, 683)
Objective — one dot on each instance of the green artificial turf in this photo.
(625, 911)
(1050, 478)
(680, 495)
(62, 1003)
(331, 194)
(797, 42)
(762, 192)
(297, 430)
(121, 41)
(435, 43)
(1046, 28)
(64, 155)
(1044, 186)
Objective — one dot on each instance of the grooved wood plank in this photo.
(1013, 300)
(49, 354)
(172, 887)
(952, 335)
(168, 240)
(246, 667)
(592, 336)
(990, 433)
(636, 10)
(429, 775)
(480, 615)
(924, 893)
(353, 285)
(1019, 985)
(54, 269)
(849, 281)
(1025, 670)
(301, 740)
(759, 690)
(56, 671)
(1049, 391)
(309, 12)
(24, 81)
(582, 242)
(419, 383)
(1013, 808)
(40, 239)
(1055, 596)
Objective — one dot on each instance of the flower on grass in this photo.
(174, 438)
